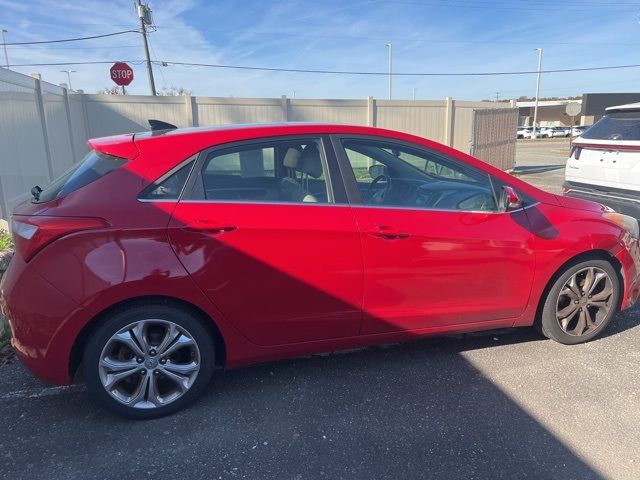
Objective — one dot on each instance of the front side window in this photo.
(288, 171)
(389, 174)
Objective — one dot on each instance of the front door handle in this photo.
(210, 228)
(387, 233)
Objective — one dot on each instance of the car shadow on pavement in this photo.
(410, 410)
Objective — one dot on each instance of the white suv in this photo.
(604, 165)
(524, 132)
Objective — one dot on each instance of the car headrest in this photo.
(291, 158)
(310, 162)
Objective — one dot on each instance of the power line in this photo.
(76, 39)
(338, 72)
(44, 47)
(618, 8)
(399, 74)
(97, 62)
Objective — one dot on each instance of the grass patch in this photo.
(6, 241)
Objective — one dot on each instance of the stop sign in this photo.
(121, 73)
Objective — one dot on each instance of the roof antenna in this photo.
(160, 125)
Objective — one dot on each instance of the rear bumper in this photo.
(622, 201)
(36, 311)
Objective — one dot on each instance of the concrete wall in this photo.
(43, 129)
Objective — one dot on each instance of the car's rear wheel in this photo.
(581, 302)
(148, 361)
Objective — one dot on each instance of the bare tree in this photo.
(114, 90)
(174, 91)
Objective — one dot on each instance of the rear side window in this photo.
(615, 126)
(273, 171)
(169, 187)
(95, 165)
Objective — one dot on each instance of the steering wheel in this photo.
(371, 193)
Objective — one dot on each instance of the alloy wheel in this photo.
(149, 363)
(584, 301)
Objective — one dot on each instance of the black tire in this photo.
(121, 319)
(550, 327)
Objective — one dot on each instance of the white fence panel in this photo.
(424, 118)
(55, 114)
(352, 112)
(114, 114)
(79, 127)
(23, 150)
(221, 111)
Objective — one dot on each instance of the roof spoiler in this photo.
(157, 125)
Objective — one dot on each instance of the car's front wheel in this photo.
(581, 302)
(148, 361)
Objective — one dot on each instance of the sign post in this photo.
(121, 74)
(572, 109)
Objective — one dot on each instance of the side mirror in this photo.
(509, 200)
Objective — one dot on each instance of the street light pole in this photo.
(69, 72)
(535, 109)
(4, 45)
(390, 47)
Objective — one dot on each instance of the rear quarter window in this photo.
(95, 165)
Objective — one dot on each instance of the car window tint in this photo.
(276, 171)
(170, 187)
(93, 166)
(615, 126)
(390, 174)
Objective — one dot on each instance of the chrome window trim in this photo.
(487, 212)
(254, 202)
(344, 205)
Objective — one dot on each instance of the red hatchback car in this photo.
(164, 255)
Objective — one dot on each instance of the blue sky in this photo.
(427, 36)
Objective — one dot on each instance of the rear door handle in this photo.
(387, 233)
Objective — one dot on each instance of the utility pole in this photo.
(390, 47)
(6, 56)
(144, 14)
(497, 96)
(68, 72)
(535, 110)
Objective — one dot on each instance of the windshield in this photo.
(615, 126)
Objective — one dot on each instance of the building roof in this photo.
(628, 106)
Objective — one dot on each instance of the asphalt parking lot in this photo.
(541, 162)
(504, 404)
(500, 405)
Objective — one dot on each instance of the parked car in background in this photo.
(604, 165)
(578, 130)
(545, 132)
(553, 132)
(165, 255)
(524, 132)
